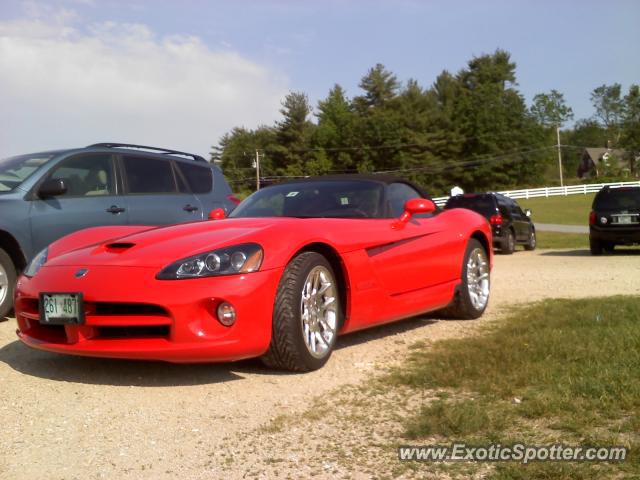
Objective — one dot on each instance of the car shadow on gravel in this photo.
(382, 331)
(103, 371)
(587, 253)
(99, 371)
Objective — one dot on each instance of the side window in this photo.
(515, 209)
(200, 179)
(398, 194)
(87, 175)
(503, 208)
(148, 175)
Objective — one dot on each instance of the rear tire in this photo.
(472, 297)
(306, 315)
(595, 246)
(531, 244)
(509, 244)
(7, 283)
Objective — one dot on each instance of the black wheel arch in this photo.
(335, 260)
(10, 245)
(484, 241)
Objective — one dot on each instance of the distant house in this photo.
(596, 161)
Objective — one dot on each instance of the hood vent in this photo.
(119, 246)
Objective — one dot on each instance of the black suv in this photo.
(614, 219)
(509, 224)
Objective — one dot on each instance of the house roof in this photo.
(596, 154)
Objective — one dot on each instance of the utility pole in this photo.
(559, 155)
(257, 165)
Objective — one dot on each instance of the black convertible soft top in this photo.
(354, 177)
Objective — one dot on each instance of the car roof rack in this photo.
(164, 151)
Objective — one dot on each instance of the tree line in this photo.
(471, 129)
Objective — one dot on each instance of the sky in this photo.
(180, 74)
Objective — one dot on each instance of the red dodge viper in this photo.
(292, 267)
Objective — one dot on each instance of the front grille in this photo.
(131, 320)
(155, 331)
(47, 333)
(100, 308)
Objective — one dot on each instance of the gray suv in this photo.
(44, 196)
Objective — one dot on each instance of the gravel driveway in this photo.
(78, 418)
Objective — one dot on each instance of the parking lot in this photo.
(66, 417)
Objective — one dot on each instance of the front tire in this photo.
(306, 315)
(472, 296)
(7, 283)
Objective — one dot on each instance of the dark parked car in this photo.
(44, 196)
(614, 219)
(509, 224)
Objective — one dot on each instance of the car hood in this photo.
(158, 247)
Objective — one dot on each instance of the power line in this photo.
(478, 161)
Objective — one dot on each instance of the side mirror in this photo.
(527, 212)
(217, 214)
(414, 206)
(52, 188)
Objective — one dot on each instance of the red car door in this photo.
(424, 253)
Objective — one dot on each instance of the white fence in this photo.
(551, 191)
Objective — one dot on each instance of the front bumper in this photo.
(129, 314)
(618, 235)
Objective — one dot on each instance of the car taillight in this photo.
(592, 218)
(234, 199)
(495, 219)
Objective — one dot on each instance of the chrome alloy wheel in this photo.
(478, 278)
(319, 311)
(4, 284)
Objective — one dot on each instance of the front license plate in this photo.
(61, 309)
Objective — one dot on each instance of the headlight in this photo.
(243, 258)
(36, 263)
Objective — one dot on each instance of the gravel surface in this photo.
(77, 418)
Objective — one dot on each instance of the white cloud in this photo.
(62, 85)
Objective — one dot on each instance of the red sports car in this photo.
(292, 267)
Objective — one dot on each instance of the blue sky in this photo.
(78, 71)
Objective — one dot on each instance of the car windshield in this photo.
(329, 199)
(614, 199)
(15, 170)
(482, 204)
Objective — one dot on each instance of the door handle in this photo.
(189, 208)
(115, 209)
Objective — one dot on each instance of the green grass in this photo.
(574, 364)
(562, 240)
(569, 210)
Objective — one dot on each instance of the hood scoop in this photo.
(117, 247)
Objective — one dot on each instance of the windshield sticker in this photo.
(344, 201)
(292, 194)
